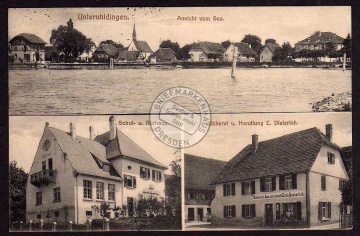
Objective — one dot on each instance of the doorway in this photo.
(130, 205)
(268, 214)
(200, 214)
(191, 214)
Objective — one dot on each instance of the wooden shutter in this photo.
(262, 184)
(273, 183)
(323, 182)
(243, 211)
(252, 209)
(282, 182)
(134, 183)
(233, 189)
(159, 176)
(225, 211)
(298, 210)
(242, 188)
(329, 209)
(153, 175)
(233, 210)
(148, 173)
(294, 181)
(125, 180)
(252, 187)
(224, 189)
(320, 211)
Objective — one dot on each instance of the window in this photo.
(229, 211)
(88, 213)
(38, 198)
(43, 165)
(229, 189)
(99, 191)
(268, 184)
(57, 196)
(277, 210)
(248, 188)
(111, 192)
(208, 210)
(156, 176)
(288, 182)
(191, 196)
(248, 211)
(87, 189)
(50, 164)
(129, 181)
(324, 211)
(145, 173)
(331, 158)
(323, 182)
(106, 167)
(291, 211)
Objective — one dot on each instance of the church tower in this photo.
(134, 34)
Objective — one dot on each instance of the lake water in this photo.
(53, 92)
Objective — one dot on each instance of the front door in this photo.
(268, 214)
(200, 213)
(191, 214)
(130, 205)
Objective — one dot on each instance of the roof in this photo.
(291, 153)
(108, 49)
(209, 47)
(143, 46)
(123, 146)
(322, 38)
(84, 154)
(128, 55)
(272, 46)
(164, 54)
(31, 38)
(200, 171)
(245, 49)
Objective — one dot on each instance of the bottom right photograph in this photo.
(270, 171)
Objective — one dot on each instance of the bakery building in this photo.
(289, 181)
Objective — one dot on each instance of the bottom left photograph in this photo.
(91, 173)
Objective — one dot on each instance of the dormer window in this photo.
(106, 167)
(331, 158)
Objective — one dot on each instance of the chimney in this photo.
(91, 130)
(255, 143)
(328, 128)
(72, 130)
(46, 123)
(112, 126)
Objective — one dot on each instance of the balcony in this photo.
(43, 177)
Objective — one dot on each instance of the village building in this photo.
(163, 55)
(86, 55)
(267, 52)
(289, 181)
(139, 48)
(104, 52)
(198, 191)
(206, 51)
(27, 48)
(71, 175)
(319, 41)
(244, 52)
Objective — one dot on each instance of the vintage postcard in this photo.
(117, 60)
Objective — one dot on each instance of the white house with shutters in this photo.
(291, 181)
(71, 175)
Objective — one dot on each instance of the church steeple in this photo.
(134, 34)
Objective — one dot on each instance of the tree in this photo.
(273, 41)
(329, 49)
(226, 43)
(109, 41)
(254, 41)
(184, 51)
(173, 45)
(347, 46)
(284, 53)
(17, 192)
(69, 40)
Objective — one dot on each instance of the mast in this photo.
(344, 62)
(234, 63)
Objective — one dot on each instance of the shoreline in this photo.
(335, 102)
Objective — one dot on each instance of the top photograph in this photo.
(67, 61)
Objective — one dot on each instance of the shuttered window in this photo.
(323, 182)
(129, 181)
(230, 211)
(324, 211)
(229, 189)
(288, 182)
(248, 211)
(268, 184)
(144, 173)
(248, 187)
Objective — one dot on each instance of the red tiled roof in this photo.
(322, 38)
(292, 153)
(124, 146)
(209, 48)
(200, 171)
(31, 38)
(244, 49)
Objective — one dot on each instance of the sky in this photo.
(154, 25)
(221, 142)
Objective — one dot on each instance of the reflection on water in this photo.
(37, 92)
